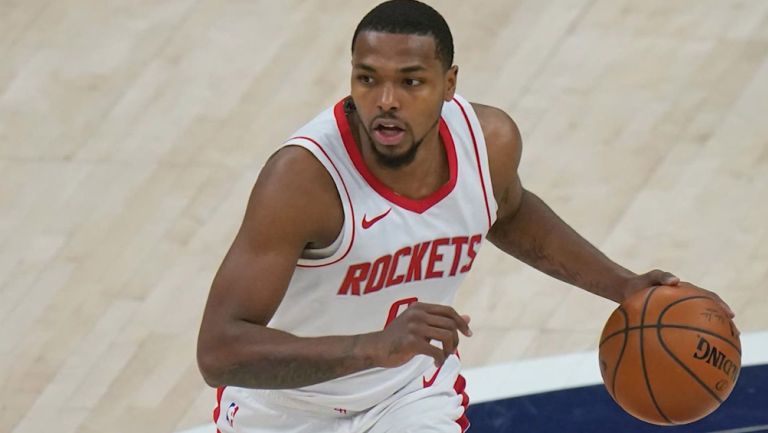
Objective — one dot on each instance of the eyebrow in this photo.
(405, 70)
(415, 68)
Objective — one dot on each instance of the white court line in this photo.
(753, 429)
(533, 376)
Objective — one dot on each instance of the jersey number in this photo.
(398, 307)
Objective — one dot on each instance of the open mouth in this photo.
(388, 133)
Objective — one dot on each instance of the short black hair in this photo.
(410, 17)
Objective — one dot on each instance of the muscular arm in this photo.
(537, 236)
(529, 230)
(294, 204)
(235, 347)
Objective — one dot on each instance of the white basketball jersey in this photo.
(392, 250)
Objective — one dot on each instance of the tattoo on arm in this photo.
(536, 255)
(278, 372)
(538, 237)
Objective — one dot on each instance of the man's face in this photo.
(398, 86)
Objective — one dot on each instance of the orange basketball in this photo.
(670, 355)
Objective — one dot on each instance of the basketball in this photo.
(670, 355)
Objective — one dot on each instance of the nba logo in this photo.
(231, 412)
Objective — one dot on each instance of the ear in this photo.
(451, 75)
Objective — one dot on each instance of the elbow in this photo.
(212, 363)
(209, 368)
(225, 358)
(211, 378)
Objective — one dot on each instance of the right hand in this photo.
(411, 332)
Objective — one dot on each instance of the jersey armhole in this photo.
(344, 240)
(480, 153)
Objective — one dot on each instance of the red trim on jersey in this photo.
(459, 387)
(349, 200)
(217, 410)
(414, 205)
(477, 158)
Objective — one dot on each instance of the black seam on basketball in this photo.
(621, 353)
(664, 311)
(642, 356)
(672, 304)
(690, 328)
(613, 334)
(703, 331)
(685, 367)
(687, 298)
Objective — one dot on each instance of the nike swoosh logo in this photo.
(367, 224)
(428, 383)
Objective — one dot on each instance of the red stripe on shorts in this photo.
(217, 410)
(459, 387)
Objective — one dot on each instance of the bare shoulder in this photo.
(293, 204)
(504, 144)
(294, 167)
(294, 194)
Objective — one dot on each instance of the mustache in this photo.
(386, 116)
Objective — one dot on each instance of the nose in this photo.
(388, 99)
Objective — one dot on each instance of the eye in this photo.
(412, 82)
(365, 79)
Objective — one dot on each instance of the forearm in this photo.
(538, 237)
(261, 357)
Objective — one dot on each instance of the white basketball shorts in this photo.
(433, 403)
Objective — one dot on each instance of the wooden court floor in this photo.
(132, 131)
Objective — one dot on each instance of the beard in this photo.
(403, 159)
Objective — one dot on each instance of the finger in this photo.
(434, 352)
(440, 322)
(715, 297)
(448, 337)
(416, 306)
(724, 306)
(466, 318)
(735, 330)
(665, 278)
(448, 325)
(450, 313)
(670, 280)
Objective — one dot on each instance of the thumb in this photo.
(662, 277)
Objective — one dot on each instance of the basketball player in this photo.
(331, 311)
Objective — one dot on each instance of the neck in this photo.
(417, 179)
